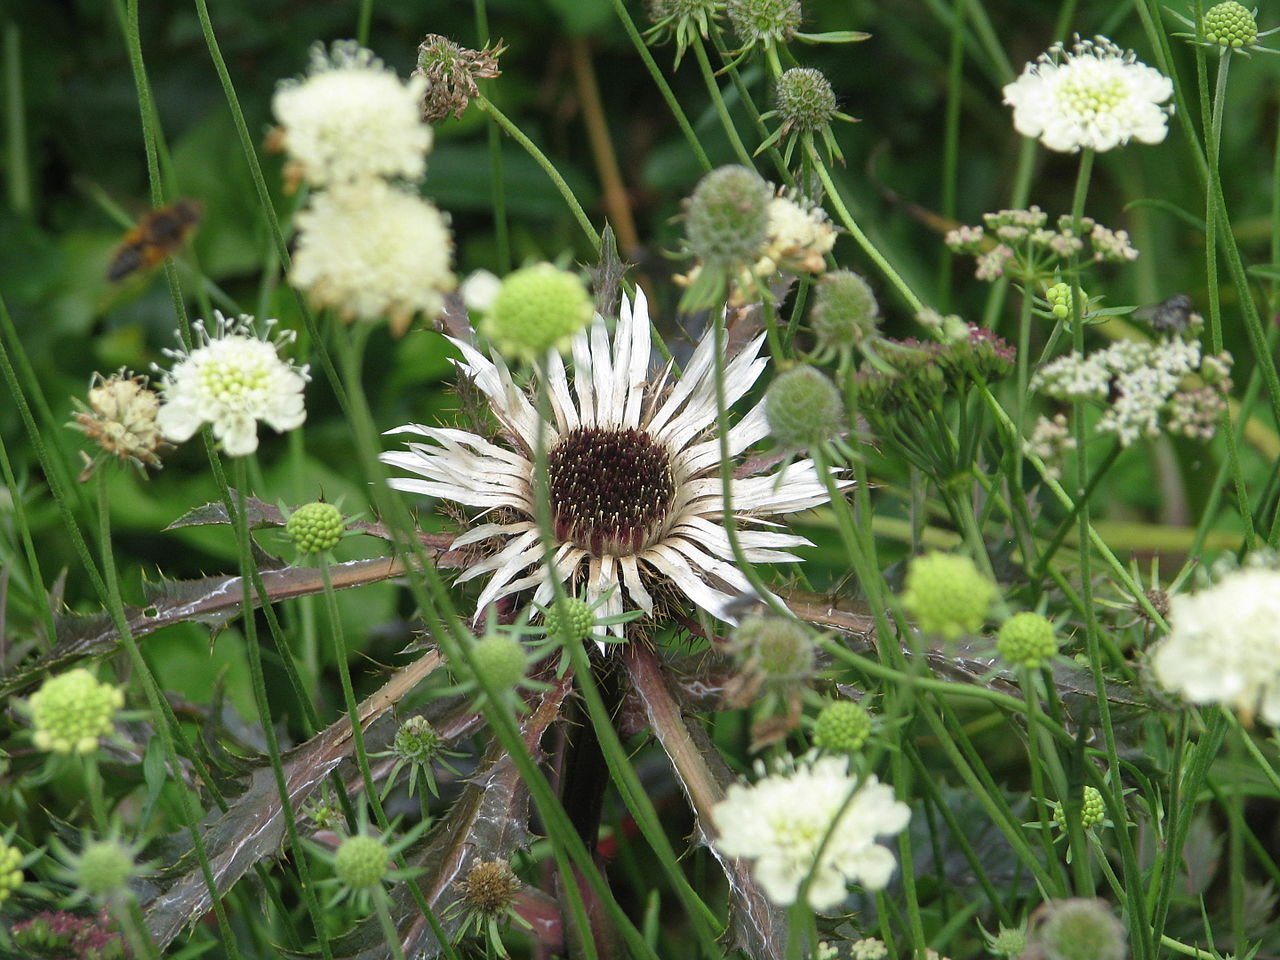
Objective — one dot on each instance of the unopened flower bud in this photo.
(806, 101)
(947, 595)
(1027, 640)
(1230, 24)
(361, 862)
(315, 527)
(727, 221)
(536, 309)
(804, 408)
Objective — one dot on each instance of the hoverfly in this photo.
(157, 235)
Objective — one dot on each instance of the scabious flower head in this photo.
(843, 726)
(315, 527)
(764, 22)
(350, 119)
(72, 710)
(806, 101)
(947, 594)
(1027, 640)
(371, 251)
(845, 312)
(1093, 810)
(361, 862)
(121, 418)
(1094, 96)
(451, 71)
(416, 741)
(10, 870)
(231, 379)
(727, 217)
(781, 823)
(1230, 24)
(798, 238)
(778, 647)
(1007, 941)
(1080, 929)
(537, 308)
(501, 658)
(103, 868)
(683, 20)
(569, 618)
(804, 408)
(1223, 646)
(490, 887)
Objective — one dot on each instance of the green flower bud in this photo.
(315, 527)
(416, 741)
(1081, 929)
(569, 618)
(805, 98)
(537, 308)
(727, 220)
(1230, 24)
(764, 21)
(1060, 303)
(1092, 810)
(361, 862)
(845, 311)
(803, 408)
(947, 595)
(1027, 640)
(103, 868)
(10, 870)
(72, 710)
(501, 658)
(842, 727)
(779, 648)
(1008, 941)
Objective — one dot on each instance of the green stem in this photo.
(389, 932)
(18, 166)
(717, 101)
(497, 187)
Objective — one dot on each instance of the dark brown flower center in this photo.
(611, 490)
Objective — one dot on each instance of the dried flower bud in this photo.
(490, 887)
(121, 419)
(451, 72)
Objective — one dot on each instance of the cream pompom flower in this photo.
(783, 821)
(350, 118)
(369, 250)
(231, 379)
(1093, 96)
(634, 465)
(1224, 645)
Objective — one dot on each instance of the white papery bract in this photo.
(371, 251)
(634, 478)
(351, 118)
(231, 379)
(782, 821)
(1224, 645)
(1093, 96)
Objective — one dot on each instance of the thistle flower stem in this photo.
(717, 101)
(547, 166)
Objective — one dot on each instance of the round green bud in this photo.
(805, 98)
(569, 618)
(501, 658)
(727, 218)
(1092, 810)
(764, 21)
(842, 727)
(779, 648)
(1081, 929)
(1060, 300)
(10, 870)
(803, 408)
(947, 594)
(1230, 24)
(315, 527)
(1008, 942)
(72, 710)
(361, 862)
(536, 309)
(103, 868)
(1027, 640)
(416, 741)
(845, 311)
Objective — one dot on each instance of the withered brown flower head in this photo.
(451, 72)
(121, 419)
(490, 887)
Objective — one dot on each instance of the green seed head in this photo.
(10, 870)
(1230, 24)
(502, 659)
(72, 710)
(727, 220)
(803, 408)
(416, 741)
(947, 595)
(569, 618)
(845, 311)
(361, 862)
(806, 101)
(315, 527)
(103, 868)
(1081, 929)
(537, 308)
(779, 648)
(1027, 640)
(1092, 810)
(842, 727)
(764, 21)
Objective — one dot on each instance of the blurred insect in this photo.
(1175, 315)
(157, 235)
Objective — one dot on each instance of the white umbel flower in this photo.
(350, 118)
(1224, 645)
(634, 466)
(230, 380)
(371, 251)
(1094, 95)
(782, 821)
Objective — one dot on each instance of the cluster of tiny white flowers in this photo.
(367, 248)
(231, 379)
(1223, 646)
(869, 948)
(1093, 96)
(800, 236)
(1143, 383)
(1025, 245)
(1050, 440)
(1111, 245)
(782, 821)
